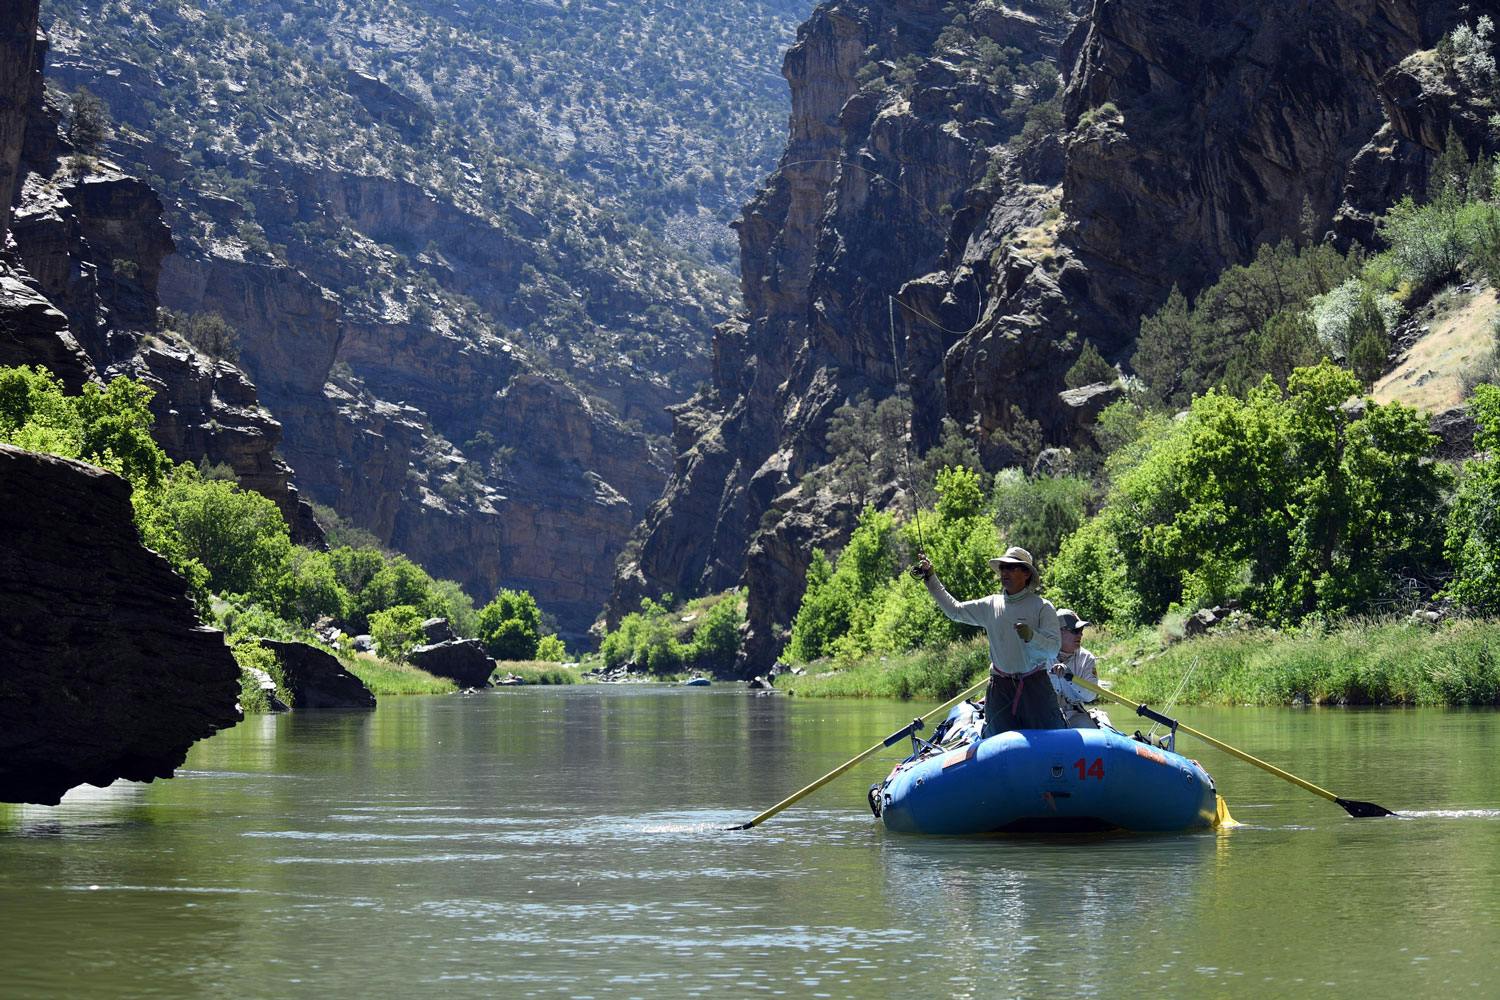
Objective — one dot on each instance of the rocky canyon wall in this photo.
(1190, 135)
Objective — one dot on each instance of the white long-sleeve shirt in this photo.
(1080, 664)
(998, 615)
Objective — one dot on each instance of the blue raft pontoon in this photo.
(1045, 781)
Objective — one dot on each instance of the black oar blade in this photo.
(742, 826)
(1363, 810)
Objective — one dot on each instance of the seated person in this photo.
(1074, 659)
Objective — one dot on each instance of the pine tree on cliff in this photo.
(88, 123)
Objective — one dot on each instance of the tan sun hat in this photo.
(1016, 556)
(1068, 619)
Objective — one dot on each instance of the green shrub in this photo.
(1037, 513)
(398, 581)
(716, 636)
(311, 588)
(1090, 368)
(550, 649)
(646, 639)
(227, 540)
(108, 426)
(861, 604)
(1472, 538)
(249, 653)
(396, 631)
(839, 602)
(457, 607)
(510, 626)
(1324, 509)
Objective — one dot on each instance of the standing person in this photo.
(1073, 659)
(1023, 633)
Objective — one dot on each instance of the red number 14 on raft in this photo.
(1087, 770)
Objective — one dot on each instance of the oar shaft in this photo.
(1233, 752)
(809, 789)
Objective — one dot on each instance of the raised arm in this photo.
(975, 613)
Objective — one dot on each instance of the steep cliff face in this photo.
(467, 357)
(91, 246)
(105, 670)
(19, 83)
(862, 204)
(1190, 135)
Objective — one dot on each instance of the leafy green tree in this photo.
(645, 638)
(312, 589)
(550, 649)
(716, 637)
(356, 567)
(1287, 498)
(237, 537)
(396, 631)
(1037, 513)
(1472, 538)
(510, 626)
(109, 426)
(399, 581)
(824, 613)
(1090, 571)
(458, 607)
(1427, 242)
(839, 607)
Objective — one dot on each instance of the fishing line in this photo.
(911, 411)
(1172, 701)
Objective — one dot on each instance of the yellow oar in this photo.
(890, 740)
(1354, 807)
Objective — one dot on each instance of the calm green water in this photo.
(564, 843)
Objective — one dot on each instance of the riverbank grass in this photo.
(931, 674)
(537, 672)
(1360, 662)
(386, 677)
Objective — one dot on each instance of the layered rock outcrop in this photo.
(105, 670)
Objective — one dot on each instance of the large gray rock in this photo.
(438, 630)
(316, 679)
(105, 670)
(462, 660)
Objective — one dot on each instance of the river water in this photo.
(566, 842)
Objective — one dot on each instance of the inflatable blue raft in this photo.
(1046, 781)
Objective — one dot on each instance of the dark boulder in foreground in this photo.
(461, 660)
(105, 670)
(316, 679)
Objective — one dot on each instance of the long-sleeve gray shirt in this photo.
(998, 615)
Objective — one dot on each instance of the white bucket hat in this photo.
(1015, 556)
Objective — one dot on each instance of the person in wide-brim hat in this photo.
(1015, 556)
(1024, 639)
